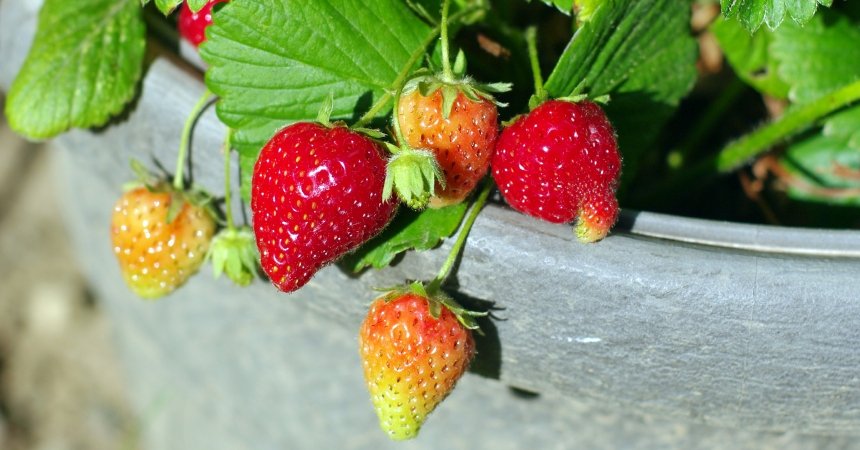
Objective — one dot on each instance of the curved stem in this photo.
(531, 40)
(228, 205)
(477, 205)
(794, 121)
(407, 69)
(179, 174)
(447, 73)
(398, 132)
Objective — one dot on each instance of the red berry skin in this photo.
(411, 360)
(560, 162)
(192, 26)
(463, 143)
(316, 193)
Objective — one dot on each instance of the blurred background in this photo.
(60, 382)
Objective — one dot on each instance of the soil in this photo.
(61, 387)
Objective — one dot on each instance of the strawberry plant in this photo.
(363, 128)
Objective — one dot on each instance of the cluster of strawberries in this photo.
(319, 190)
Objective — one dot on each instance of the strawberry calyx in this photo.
(436, 300)
(412, 174)
(233, 252)
(428, 83)
(178, 197)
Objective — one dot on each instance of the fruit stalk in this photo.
(477, 206)
(447, 72)
(228, 204)
(407, 68)
(531, 41)
(196, 111)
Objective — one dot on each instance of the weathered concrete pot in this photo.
(671, 332)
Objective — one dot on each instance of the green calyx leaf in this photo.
(233, 252)
(585, 9)
(752, 13)
(436, 300)
(82, 69)
(412, 174)
(428, 84)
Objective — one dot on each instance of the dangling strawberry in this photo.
(316, 193)
(160, 238)
(560, 162)
(192, 25)
(451, 118)
(414, 347)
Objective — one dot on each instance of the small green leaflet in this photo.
(752, 13)
(565, 6)
(750, 57)
(823, 169)
(409, 230)
(167, 6)
(83, 67)
(641, 54)
(274, 62)
(196, 5)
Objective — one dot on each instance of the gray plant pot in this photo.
(672, 332)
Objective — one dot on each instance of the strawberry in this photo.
(157, 255)
(413, 350)
(316, 193)
(561, 161)
(192, 25)
(462, 139)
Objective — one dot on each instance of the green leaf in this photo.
(750, 57)
(752, 13)
(565, 6)
(816, 60)
(196, 5)
(409, 230)
(274, 62)
(823, 169)
(641, 54)
(83, 67)
(167, 6)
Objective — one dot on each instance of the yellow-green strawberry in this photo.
(414, 350)
(160, 239)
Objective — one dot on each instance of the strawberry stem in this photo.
(185, 140)
(447, 72)
(477, 205)
(531, 41)
(410, 64)
(228, 205)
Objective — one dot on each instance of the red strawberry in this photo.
(561, 161)
(155, 256)
(192, 25)
(316, 193)
(412, 360)
(462, 141)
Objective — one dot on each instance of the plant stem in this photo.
(531, 40)
(794, 121)
(407, 69)
(179, 175)
(398, 132)
(477, 205)
(228, 205)
(447, 73)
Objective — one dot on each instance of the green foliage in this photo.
(750, 57)
(274, 62)
(83, 67)
(752, 13)
(410, 230)
(565, 6)
(641, 54)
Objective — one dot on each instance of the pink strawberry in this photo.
(412, 360)
(192, 25)
(316, 193)
(561, 161)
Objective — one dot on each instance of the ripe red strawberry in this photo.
(561, 161)
(316, 193)
(155, 256)
(411, 360)
(462, 142)
(192, 25)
